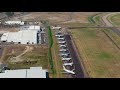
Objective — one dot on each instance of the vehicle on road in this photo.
(59, 35)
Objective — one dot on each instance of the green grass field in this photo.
(100, 56)
(98, 20)
(115, 19)
(113, 36)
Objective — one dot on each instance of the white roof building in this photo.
(22, 37)
(14, 22)
(31, 27)
(33, 72)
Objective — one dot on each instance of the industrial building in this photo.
(26, 35)
(33, 72)
(21, 37)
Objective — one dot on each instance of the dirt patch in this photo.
(25, 57)
(57, 17)
(18, 58)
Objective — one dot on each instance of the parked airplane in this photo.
(59, 35)
(63, 46)
(63, 50)
(61, 42)
(64, 54)
(67, 59)
(68, 71)
(61, 38)
(66, 64)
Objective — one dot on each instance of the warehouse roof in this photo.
(20, 36)
(37, 72)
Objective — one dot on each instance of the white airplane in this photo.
(63, 50)
(57, 35)
(61, 38)
(66, 64)
(64, 54)
(63, 46)
(68, 71)
(67, 59)
(61, 42)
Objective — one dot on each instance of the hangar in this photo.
(33, 72)
(22, 37)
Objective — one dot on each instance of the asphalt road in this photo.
(108, 23)
(115, 30)
(78, 68)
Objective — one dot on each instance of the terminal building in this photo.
(33, 72)
(26, 35)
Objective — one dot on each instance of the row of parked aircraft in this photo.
(68, 71)
(64, 53)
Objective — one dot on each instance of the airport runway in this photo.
(78, 68)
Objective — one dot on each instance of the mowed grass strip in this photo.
(76, 24)
(113, 36)
(98, 20)
(56, 59)
(100, 56)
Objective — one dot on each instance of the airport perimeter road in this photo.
(106, 21)
(114, 29)
(78, 68)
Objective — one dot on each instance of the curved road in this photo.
(106, 21)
